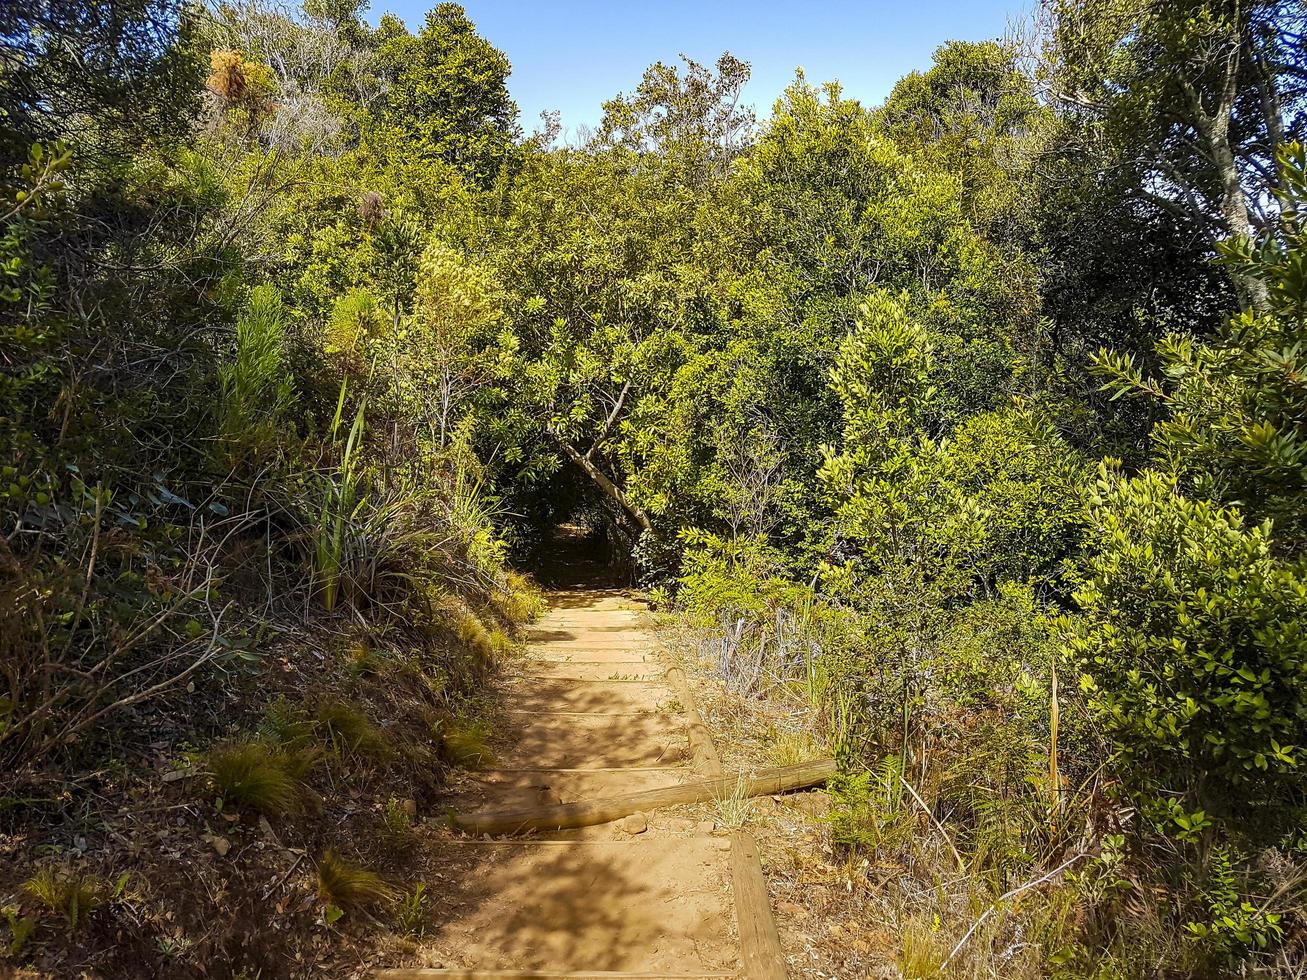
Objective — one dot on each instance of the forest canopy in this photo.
(976, 420)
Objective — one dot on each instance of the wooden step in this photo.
(552, 654)
(630, 670)
(575, 742)
(576, 633)
(563, 628)
(653, 907)
(587, 813)
(544, 694)
(515, 789)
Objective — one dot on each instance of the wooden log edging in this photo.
(760, 943)
(566, 816)
(702, 750)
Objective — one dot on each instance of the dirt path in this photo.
(655, 895)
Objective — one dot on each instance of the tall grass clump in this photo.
(735, 807)
(518, 600)
(465, 742)
(411, 911)
(349, 733)
(395, 830)
(342, 498)
(344, 885)
(67, 893)
(254, 776)
(254, 388)
(472, 514)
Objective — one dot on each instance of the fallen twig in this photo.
(962, 865)
(1003, 898)
(283, 879)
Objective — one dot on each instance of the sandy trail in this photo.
(590, 715)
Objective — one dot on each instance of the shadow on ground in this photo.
(644, 905)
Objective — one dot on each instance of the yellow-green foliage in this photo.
(487, 643)
(463, 743)
(473, 515)
(363, 659)
(519, 601)
(67, 893)
(346, 885)
(246, 87)
(355, 319)
(21, 928)
(472, 633)
(792, 748)
(500, 644)
(411, 912)
(254, 776)
(255, 388)
(457, 296)
(349, 732)
(396, 831)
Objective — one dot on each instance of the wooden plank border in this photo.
(760, 943)
(588, 813)
(702, 749)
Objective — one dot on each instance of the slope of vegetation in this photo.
(967, 429)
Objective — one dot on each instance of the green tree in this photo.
(452, 348)
(994, 499)
(1184, 101)
(975, 113)
(1236, 426)
(108, 76)
(446, 98)
(1192, 645)
(693, 120)
(607, 308)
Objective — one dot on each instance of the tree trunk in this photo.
(604, 483)
(1234, 209)
(1214, 129)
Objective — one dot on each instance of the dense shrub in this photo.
(1192, 646)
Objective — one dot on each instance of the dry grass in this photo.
(790, 748)
(734, 808)
(890, 910)
(209, 875)
(879, 892)
(350, 886)
(464, 743)
(254, 776)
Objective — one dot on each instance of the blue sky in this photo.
(571, 55)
